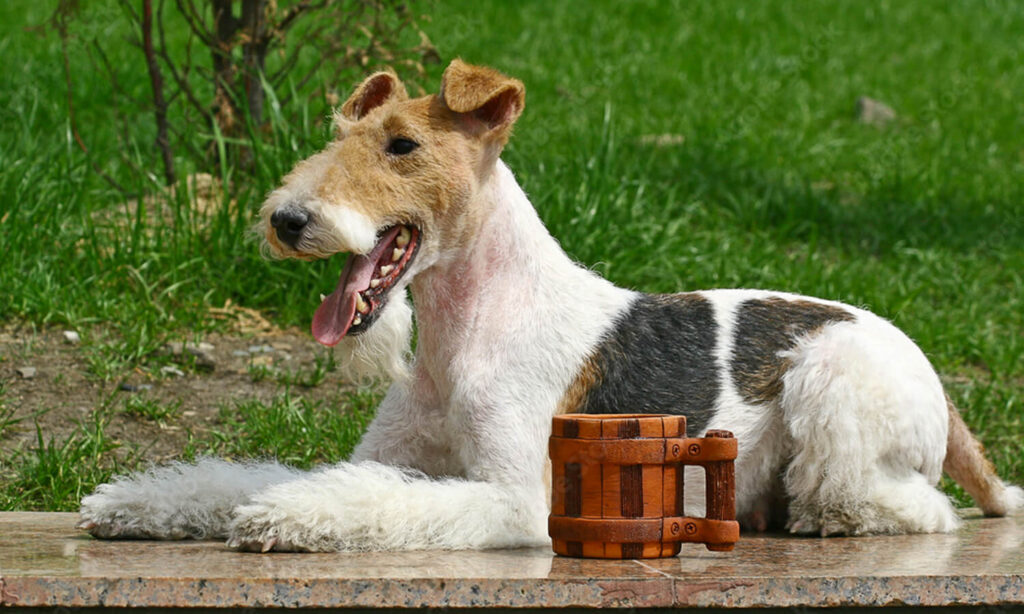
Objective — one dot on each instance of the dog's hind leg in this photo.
(178, 500)
(867, 417)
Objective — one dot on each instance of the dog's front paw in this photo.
(263, 528)
(116, 511)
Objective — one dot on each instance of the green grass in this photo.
(323, 363)
(56, 474)
(151, 409)
(774, 184)
(290, 429)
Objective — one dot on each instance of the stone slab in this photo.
(45, 562)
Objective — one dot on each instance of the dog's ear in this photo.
(484, 95)
(377, 89)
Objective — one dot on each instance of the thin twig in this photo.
(72, 121)
(195, 21)
(181, 78)
(157, 83)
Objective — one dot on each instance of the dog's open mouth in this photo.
(364, 284)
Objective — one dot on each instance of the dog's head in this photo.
(395, 189)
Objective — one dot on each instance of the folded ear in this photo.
(484, 95)
(377, 89)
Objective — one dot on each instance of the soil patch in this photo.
(155, 407)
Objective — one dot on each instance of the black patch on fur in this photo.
(765, 327)
(658, 358)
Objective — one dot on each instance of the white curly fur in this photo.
(385, 350)
(370, 506)
(178, 500)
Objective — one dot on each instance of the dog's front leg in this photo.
(369, 505)
(178, 500)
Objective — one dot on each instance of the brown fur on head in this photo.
(459, 134)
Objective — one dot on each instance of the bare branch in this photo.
(61, 24)
(195, 21)
(156, 81)
(292, 14)
(181, 79)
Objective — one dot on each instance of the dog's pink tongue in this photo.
(334, 315)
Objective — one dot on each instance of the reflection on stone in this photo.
(44, 561)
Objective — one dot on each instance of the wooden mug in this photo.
(617, 486)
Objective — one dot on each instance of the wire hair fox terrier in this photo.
(842, 423)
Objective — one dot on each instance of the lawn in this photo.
(668, 145)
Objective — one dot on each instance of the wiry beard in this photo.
(383, 351)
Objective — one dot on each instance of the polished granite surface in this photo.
(44, 561)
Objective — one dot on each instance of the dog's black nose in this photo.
(289, 223)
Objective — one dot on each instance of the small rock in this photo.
(125, 386)
(202, 351)
(171, 370)
(262, 361)
(72, 337)
(260, 349)
(240, 353)
(874, 112)
(26, 372)
(188, 414)
(204, 354)
(174, 348)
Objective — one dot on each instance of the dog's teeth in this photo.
(374, 282)
(356, 321)
(397, 254)
(322, 297)
(384, 270)
(403, 238)
(361, 305)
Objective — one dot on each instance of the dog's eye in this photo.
(400, 147)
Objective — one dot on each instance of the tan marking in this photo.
(966, 463)
(575, 395)
(765, 385)
(435, 186)
(762, 383)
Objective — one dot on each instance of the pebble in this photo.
(202, 351)
(240, 353)
(125, 386)
(169, 370)
(72, 337)
(874, 112)
(26, 372)
(260, 349)
(262, 361)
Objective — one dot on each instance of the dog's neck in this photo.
(501, 291)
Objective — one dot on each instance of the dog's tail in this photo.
(966, 463)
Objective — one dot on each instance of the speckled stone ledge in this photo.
(44, 562)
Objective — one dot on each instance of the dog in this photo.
(842, 423)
